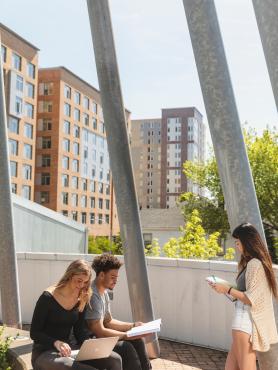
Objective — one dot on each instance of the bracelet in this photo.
(229, 291)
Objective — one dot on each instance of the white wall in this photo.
(190, 311)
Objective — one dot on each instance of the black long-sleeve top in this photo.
(52, 322)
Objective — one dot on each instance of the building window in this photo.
(29, 110)
(46, 88)
(107, 219)
(76, 114)
(77, 97)
(47, 107)
(4, 53)
(65, 198)
(74, 200)
(93, 186)
(74, 182)
(44, 197)
(13, 147)
(14, 125)
(28, 130)
(45, 178)
(94, 124)
(147, 239)
(67, 92)
(94, 108)
(19, 83)
(14, 188)
(100, 219)
(30, 90)
(93, 202)
(74, 215)
(46, 160)
(16, 61)
(84, 184)
(100, 187)
(27, 151)
(101, 158)
(100, 203)
(107, 190)
(92, 218)
(31, 70)
(86, 102)
(101, 174)
(107, 204)
(65, 181)
(46, 142)
(83, 217)
(75, 165)
(85, 152)
(26, 192)
(85, 169)
(85, 119)
(83, 201)
(46, 124)
(18, 105)
(102, 127)
(65, 163)
(67, 127)
(75, 148)
(65, 213)
(26, 172)
(93, 171)
(66, 145)
(13, 168)
(76, 131)
(67, 109)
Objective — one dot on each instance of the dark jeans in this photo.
(50, 360)
(133, 354)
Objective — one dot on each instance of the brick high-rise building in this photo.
(72, 163)
(20, 67)
(159, 149)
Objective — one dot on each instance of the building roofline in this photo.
(145, 119)
(178, 108)
(75, 76)
(18, 36)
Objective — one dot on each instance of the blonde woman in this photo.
(59, 310)
(253, 327)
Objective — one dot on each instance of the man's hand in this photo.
(63, 348)
(138, 323)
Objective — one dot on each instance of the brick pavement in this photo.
(178, 356)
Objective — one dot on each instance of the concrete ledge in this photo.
(19, 353)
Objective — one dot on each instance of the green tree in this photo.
(101, 244)
(263, 156)
(193, 242)
(153, 249)
(4, 346)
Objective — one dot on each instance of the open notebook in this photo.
(148, 328)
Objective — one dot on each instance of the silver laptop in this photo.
(93, 349)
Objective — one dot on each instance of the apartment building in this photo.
(159, 149)
(20, 69)
(73, 174)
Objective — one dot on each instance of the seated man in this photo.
(100, 321)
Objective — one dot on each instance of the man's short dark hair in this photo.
(106, 262)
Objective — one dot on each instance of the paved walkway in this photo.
(178, 356)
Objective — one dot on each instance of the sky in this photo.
(154, 51)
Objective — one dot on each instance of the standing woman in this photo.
(253, 327)
(60, 310)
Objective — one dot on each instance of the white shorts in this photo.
(242, 318)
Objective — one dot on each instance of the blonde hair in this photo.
(78, 267)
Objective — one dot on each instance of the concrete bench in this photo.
(19, 353)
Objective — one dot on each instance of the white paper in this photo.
(149, 327)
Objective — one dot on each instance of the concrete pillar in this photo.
(120, 161)
(233, 165)
(266, 12)
(10, 303)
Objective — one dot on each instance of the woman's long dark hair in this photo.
(254, 247)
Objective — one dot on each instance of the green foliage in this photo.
(101, 244)
(193, 242)
(263, 157)
(4, 346)
(153, 249)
